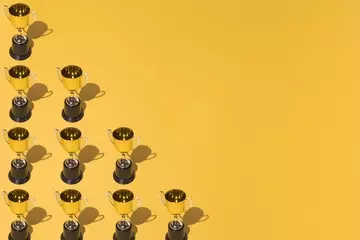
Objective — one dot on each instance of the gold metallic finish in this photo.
(19, 139)
(123, 139)
(19, 15)
(72, 77)
(176, 201)
(71, 201)
(123, 201)
(71, 139)
(20, 77)
(18, 201)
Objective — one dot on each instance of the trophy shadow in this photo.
(90, 91)
(140, 154)
(88, 216)
(35, 154)
(36, 30)
(193, 216)
(88, 154)
(38, 91)
(35, 216)
(140, 216)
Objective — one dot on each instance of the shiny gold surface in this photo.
(71, 201)
(19, 77)
(19, 139)
(122, 138)
(18, 201)
(123, 201)
(176, 201)
(72, 77)
(19, 15)
(71, 139)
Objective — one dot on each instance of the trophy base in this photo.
(10, 238)
(17, 180)
(63, 238)
(72, 119)
(132, 238)
(20, 57)
(167, 237)
(19, 119)
(71, 181)
(124, 180)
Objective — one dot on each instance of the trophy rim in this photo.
(171, 199)
(116, 133)
(65, 199)
(15, 6)
(15, 137)
(63, 133)
(123, 200)
(12, 69)
(65, 70)
(18, 200)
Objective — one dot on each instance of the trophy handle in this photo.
(5, 195)
(161, 197)
(190, 202)
(85, 142)
(86, 79)
(137, 141)
(58, 72)
(33, 14)
(57, 134)
(84, 203)
(5, 133)
(110, 136)
(57, 197)
(6, 9)
(33, 142)
(111, 200)
(137, 199)
(6, 71)
(34, 78)
(33, 200)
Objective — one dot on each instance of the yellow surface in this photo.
(252, 108)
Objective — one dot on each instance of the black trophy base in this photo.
(10, 238)
(19, 119)
(132, 238)
(63, 238)
(124, 180)
(17, 180)
(167, 237)
(20, 57)
(71, 181)
(72, 119)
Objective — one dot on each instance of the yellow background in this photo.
(252, 108)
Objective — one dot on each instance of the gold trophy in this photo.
(19, 202)
(19, 140)
(177, 203)
(73, 79)
(20, 16)
(124, 140)
(21, 78)
(123, 201)
(72, 203)
(72, 141)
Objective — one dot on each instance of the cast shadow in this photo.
(140, 216)
(35, 216)
(35, 154)
(88, 154)
(87, 216)
(83, 105)
(192, 216)
(36, 30)
(90, 91)
(140, 154)
(38, 91)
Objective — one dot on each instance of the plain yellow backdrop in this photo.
(252, 108)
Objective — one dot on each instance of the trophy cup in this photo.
(123, 202)
(73, 78)
(20, 78)
(18, 202)
(20, 16)
(72, 203)
(72, 141)
(123, 140)
(19, 140)
(177, 203)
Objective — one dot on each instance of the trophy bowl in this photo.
(176, 201)
(123, 139)
(71, 139)
(72, 77)
(19, 139)
(18, 201)
(19, 15)
(123, 201)
(71, 201)
(19, 77)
